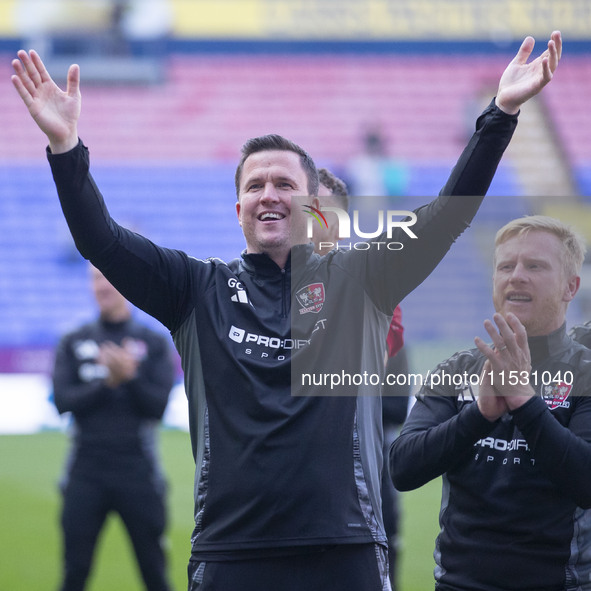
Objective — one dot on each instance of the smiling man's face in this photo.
(269, 180)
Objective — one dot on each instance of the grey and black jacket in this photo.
(280, 467)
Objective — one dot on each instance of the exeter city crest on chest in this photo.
(311, 298)
(555, 395)
(467, 392)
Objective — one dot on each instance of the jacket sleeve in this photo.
(153, 278)
(150, 390)
(436, 435)
(564, 453)
(478, 163)
(434, 438)
(442, 221)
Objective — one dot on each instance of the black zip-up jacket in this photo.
(276, 471)
(511, 488)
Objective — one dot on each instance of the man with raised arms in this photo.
(287, 486)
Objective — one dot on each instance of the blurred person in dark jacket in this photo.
(333, 192)
(114, 375)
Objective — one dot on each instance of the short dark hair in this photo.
(277, 142)
(335, 185)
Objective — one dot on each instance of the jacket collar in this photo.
(548, 345)
(262, 265)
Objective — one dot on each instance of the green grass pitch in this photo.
(30, 543)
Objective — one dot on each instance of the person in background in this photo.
(376, 173)
(395, 399)
(508, 426)
(114, 376)
(333, 192)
